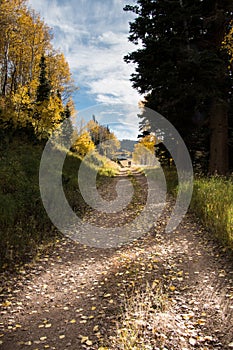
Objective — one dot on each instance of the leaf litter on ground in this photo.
(163, 290)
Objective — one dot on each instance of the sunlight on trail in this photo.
(75, 297)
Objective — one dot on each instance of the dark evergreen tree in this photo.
(44, 88)
(99, 133)
(67, 128)
(183, 68)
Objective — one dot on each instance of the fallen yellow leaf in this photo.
(48, 325)
(43, 338)
(84, 339)
(172, 288)
(107, 295)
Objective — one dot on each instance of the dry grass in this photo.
(146, 321)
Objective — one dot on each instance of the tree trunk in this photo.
(219, 162)
(5, 70)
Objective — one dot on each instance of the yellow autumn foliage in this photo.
(24, 39)
(83, 143)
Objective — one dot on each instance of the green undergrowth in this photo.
(212, 202)
(163, 175)
(24, 224)
(23, 220)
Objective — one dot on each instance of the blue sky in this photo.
(93, 36)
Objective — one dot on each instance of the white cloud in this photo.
(93, 36)
(120, 117)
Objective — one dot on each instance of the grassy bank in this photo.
(212, 202)
(23, 221)
(24, 225)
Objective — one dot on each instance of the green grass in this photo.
(212, 202)
(23, 221)
(170, 176)
(24, 224)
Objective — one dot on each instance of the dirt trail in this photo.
(72, 297)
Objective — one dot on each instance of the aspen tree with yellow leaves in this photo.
(25, 41)
(83, 143)
(144, 150)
